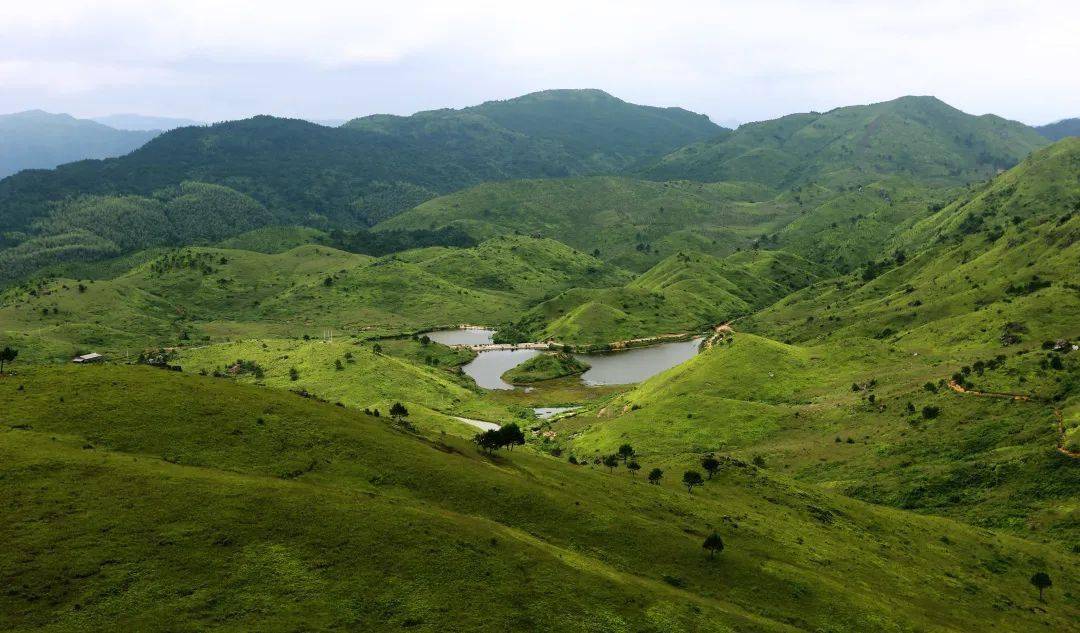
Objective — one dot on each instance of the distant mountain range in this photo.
(40, 140)
(142, 122)
(1060, 129)
(374, 167)
(856, 173)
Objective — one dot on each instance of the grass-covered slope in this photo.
(205, 505)
(1001, 263)
(356, 376)
(920, 137)
(857, 417)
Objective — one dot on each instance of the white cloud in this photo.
(747, 60)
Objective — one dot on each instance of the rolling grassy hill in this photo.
(231, 506)
(359, 377)
(1006, 253)
(918, 137)
(988, 461)
(684, 293)
(861, 404)
(206, 293)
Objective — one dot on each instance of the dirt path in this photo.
(1021, 398)
(718, 334)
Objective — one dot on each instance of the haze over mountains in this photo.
(40, 140)
(142, 122)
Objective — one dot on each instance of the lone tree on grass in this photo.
(626, 452)
(503, 437)
(398, 410)
(612, 462)
(713, 543)
(633, 466)
(711, 465)
(692, 478)
(655, 475)
(7, 355)
(1041, 581)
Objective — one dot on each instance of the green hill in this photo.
(371, 168)
(40, 140)
(1004, 253)
(684, 293)
(631, 223)
(918, 137)
(205, 505)
(206, 293)
(93, 228)
(888, 439)
(861, 404)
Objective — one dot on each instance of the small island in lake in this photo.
(545, 367)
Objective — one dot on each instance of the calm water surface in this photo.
(487, 367)
(616, 368)
(462, 337)
(636, 365)
(546, 413)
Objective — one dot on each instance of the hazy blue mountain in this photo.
(143, 122)
(1060, 129)
(40, 140)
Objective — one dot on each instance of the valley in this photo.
(352, 375)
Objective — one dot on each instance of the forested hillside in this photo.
(918, 137)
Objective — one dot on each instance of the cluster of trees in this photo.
(386, 242)
(628, 457)
(91, 227)
(7, 355)
(503, 437)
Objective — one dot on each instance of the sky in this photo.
(213, 60)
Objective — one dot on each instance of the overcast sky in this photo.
(220, 59)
